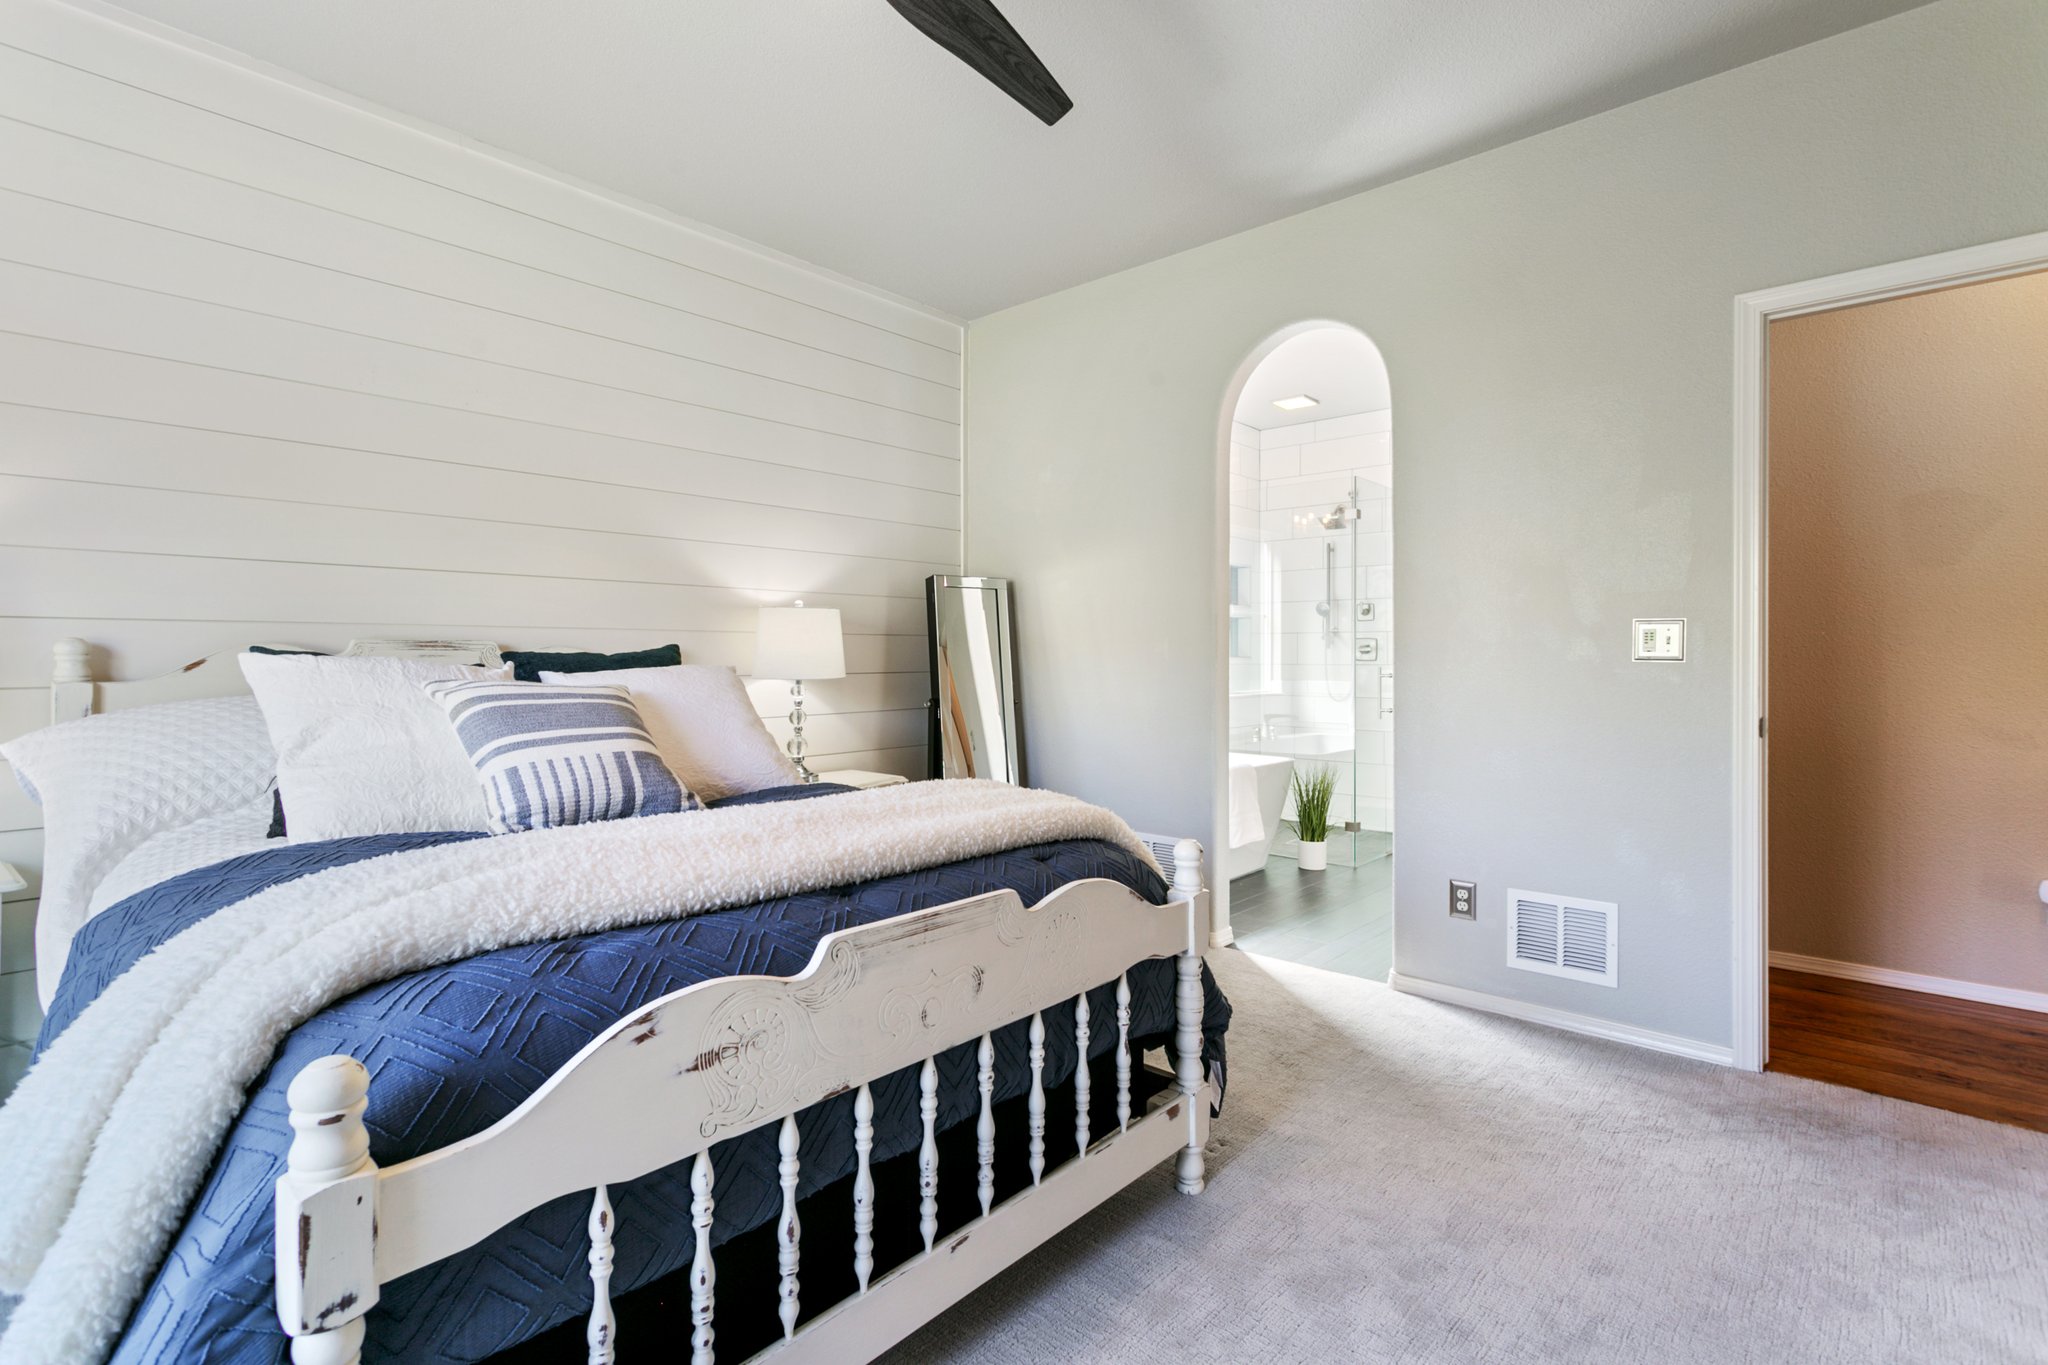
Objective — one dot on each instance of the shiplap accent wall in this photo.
(278, 366)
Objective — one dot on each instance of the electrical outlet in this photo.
(1464, 900)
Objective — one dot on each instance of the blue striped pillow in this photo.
(553, 754)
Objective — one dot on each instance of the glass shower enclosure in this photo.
(1321, 646)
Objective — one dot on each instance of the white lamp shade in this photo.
(799, 643)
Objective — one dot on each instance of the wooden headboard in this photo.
(74, 692)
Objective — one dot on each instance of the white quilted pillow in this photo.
(704, 724)
(361, 749)
(106, 783)
(172, 852)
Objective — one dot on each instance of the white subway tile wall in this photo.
(1248, 656)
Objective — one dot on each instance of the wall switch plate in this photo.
(1464, 900)
(1660, 641)
(1368, 611)
(1368, 651)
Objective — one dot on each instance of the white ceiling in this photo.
(832, 130)
(1336, 366)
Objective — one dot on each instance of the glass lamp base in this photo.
(795, 746)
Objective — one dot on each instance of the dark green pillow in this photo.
(527, 664)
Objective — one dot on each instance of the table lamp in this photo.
(802, 644)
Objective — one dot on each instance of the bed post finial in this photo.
(71, 657)
(327, 1215)
(1187, 869)
(1187, 1033)
(71, 690)
(327, 1100)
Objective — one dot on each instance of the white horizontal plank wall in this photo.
(275, 365)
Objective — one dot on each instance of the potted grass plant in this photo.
(1313, 790)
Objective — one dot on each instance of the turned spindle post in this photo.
(1123, 1052)
(863, 1186)
(1037, 1103)
(985, 1126)
(703, 1274)
(1187, 1036)
(928, 1153)
(601, 1333)
(789, 1232)
(1081, 1079)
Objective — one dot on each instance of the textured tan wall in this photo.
(1909, 633)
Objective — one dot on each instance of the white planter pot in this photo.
(1314, 857)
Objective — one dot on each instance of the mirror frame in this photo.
(1006, 668)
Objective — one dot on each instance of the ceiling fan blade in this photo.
(976, 32)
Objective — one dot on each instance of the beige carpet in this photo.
(1398, 1180)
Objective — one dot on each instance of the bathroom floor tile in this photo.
(1341, 919)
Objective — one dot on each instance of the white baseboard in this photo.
(1564, 1019)
(2008, 996)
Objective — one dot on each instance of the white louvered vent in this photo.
(1162, 849)
(1562, 936)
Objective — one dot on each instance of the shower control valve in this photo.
(1368, 651)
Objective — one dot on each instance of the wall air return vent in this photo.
(1562, 936)
(1162, 849)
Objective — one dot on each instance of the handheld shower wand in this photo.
(1343, 514)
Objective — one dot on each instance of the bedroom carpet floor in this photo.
(1394, 1179)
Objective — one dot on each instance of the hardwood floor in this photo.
(1341, 920)
(1984, 1060)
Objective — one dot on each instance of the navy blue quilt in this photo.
(453, 1049)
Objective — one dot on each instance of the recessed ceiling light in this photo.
(1294, 404)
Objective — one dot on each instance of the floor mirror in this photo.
(973, 729)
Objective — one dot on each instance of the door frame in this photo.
(1221, 933)
(1754, 313)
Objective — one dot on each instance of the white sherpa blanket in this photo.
(110, 1134)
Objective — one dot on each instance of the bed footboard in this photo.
(726, 1056)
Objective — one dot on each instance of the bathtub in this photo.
(1269, 777)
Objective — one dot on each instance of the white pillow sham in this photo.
(703, 723)
(362, 749)
(107, 783)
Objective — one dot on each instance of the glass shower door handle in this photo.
(1386, 693)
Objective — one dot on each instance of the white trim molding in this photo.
(1754, 313)
(2008, 996)
(1563, 1019)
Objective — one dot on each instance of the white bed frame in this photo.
(726, 1056)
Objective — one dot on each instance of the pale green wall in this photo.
(1557, 319)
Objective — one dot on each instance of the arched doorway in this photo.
(1308, 638)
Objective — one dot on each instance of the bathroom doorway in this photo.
(1310, 637)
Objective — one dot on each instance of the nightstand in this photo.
(855, 777)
